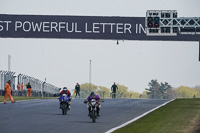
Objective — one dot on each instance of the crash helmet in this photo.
(92, 94)
(65, 88)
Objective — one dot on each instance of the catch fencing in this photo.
(4, 77)
(39, 88)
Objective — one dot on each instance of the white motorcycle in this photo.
(93, 104)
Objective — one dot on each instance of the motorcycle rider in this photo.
(97, 98)
(68, 93)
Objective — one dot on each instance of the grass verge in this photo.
(18, 98)
(179, 116)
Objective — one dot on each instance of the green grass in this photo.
(18, 98)
(179, 116)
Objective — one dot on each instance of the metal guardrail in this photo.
(39, 88)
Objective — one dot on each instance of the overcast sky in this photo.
(64, 62)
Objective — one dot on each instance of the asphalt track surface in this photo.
(44, 116)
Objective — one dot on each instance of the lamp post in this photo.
(9, 62)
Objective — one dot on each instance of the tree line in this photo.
(155, 90)
(165, 91)
(105, 92)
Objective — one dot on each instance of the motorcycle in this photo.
(93, 108)
(65, 103)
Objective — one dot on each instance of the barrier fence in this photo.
(39, 88)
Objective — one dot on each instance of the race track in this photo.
(39, 116)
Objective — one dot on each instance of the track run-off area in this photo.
(44, 115)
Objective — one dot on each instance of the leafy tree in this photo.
(132, 94)
(153, 90)
(144, 95)
(122, 91)
(159, 91)
(164, 89)
(187, 92)
(125, 93)
(87, 88)
(103, 92)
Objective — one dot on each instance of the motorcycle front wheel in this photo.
(64, 108)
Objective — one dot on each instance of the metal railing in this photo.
(39, 88)
(4, 77)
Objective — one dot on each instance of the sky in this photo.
(64, 62)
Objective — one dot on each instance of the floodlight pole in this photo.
(9, 62)
(90, 75)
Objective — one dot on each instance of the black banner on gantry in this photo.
(80, 27)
